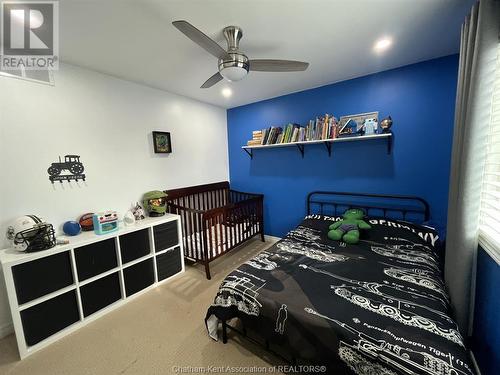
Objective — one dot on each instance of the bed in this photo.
(215, 219)
(377, 307)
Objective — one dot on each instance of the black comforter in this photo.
(378, 307)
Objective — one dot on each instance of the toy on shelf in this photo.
(370, 126)
(155, 202)
(105, 222)
(72, 228)
(138, 211)
(87, 221)
(31, 233)
(386, 124)
(129, 218)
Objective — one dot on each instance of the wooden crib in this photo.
(215, 219)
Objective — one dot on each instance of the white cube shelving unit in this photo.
(54, 292)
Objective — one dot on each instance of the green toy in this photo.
(155, 202)
(348, 228)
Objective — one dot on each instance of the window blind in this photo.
(489, 225)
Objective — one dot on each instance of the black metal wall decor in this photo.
(71, 164)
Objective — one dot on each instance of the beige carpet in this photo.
(152, 334)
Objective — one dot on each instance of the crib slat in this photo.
(218, 235)
(192, 236)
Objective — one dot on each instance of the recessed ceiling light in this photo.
(382, 44)
(226, 92)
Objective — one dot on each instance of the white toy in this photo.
(129, 218)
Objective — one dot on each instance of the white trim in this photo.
(271, 238)
(166, 250)
(489, 246)
(46, 297)
(137, 260)
(474, 363)
(99, 276)
(6, 330)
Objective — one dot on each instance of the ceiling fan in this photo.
(233, 64)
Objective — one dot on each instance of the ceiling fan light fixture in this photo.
(233, 73)
(233, 64)
(235, 68)
(382, 44)
(226, 92)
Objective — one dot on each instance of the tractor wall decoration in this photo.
(71, 164)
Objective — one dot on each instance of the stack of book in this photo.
(325, 127)
(256, 138)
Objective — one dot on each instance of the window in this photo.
(489, 226)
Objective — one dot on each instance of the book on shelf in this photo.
(322, 128)
(254, 143)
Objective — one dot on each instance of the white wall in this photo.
(108, 122)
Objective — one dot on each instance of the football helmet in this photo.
(155, 202)
(31, 233)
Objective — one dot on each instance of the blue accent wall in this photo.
(486, 332)
(421, 100)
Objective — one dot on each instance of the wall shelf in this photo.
(327, 142)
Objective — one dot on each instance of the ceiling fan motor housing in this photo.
(237, 66)
(233, 35)
(234, 65)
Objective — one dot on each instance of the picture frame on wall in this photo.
(162, 143)
(353, 125)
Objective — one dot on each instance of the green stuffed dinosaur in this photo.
(348, 228)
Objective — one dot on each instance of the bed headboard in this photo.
(402, 207)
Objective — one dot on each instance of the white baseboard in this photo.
(271, 238)
(474, 363)
(6, 330)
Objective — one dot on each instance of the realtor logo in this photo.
(29, 35)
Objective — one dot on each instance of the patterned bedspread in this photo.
(378, 307)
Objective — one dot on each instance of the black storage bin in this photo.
(169, 263)
(138, 276)
(100, 293)
(134, 245)
(42, 276)
(165, 235)
(96, 258)
(49, 317)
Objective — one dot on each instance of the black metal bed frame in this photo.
(408, 204)
(382, 205)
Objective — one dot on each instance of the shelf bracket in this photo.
(301, 149)
(329, 148)
(389, 144)
(250, 153)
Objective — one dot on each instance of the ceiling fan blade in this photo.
(269, 65)
(201, 39)
(212, 81)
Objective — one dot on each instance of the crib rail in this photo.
(215, 219)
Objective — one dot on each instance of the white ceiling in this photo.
(136, 41)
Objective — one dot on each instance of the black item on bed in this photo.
(377, 307)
